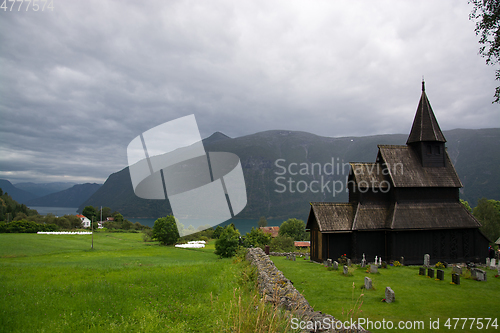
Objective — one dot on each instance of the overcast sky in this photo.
(78, 83)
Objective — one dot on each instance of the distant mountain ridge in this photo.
(71, 197)
(43, 189)
(265, 155)
(17, 194)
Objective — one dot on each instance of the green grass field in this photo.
(56, 283)
(418, 298)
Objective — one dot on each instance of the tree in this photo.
(262, 222)
(228, 242)
(293, 228)
(466, 205)
(488, 213)
(217, 232)
(256, 238)
(90, 213)
(118, 217)
(486, 13)
(165, 230)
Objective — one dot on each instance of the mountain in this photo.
(40, 190)
(17, 194)
(280, 167)
(72, 197)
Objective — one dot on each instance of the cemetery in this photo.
(393, 291)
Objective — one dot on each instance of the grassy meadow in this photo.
(56, 283)
(418, 298)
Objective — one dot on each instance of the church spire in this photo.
(425, 126)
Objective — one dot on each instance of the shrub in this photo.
(440, 265)
(165, 230)
(282, 244)
(147, 235)
(228, 242)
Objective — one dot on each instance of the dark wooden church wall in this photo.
(452, 246)
(431, 194)
(335, 245)
(371, 243)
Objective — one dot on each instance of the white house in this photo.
(85, 221)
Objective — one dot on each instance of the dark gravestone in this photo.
(267, 249)
(455, 278)
(421, 271)
(430, 272)
(440, 274)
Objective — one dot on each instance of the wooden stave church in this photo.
(406, 204)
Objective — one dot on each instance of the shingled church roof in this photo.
(405, 169)
(425, 126)
(341, 217)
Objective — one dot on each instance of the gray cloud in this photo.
(79, 83)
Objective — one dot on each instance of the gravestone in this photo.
(427, 260)
(457, 270)
(267, 249)
(480, 275)
(488, 261)
(373, 269)
(376, 260)
(440, 274)
(325, 263)
(421, 271)
(329, 262)
(498, 270)
(368, 283)
(402, 261)
(380, 261)
(349, 263)
(307, 256)
(473, 273)
(363, 262)
(430, 272)
(455, 278)
(493, 263)
(335, 265)
(293, 257)
(346, 270)
(389, 295)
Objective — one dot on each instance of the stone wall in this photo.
(277, 289)
(284, 254)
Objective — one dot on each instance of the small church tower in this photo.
(426, 137)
